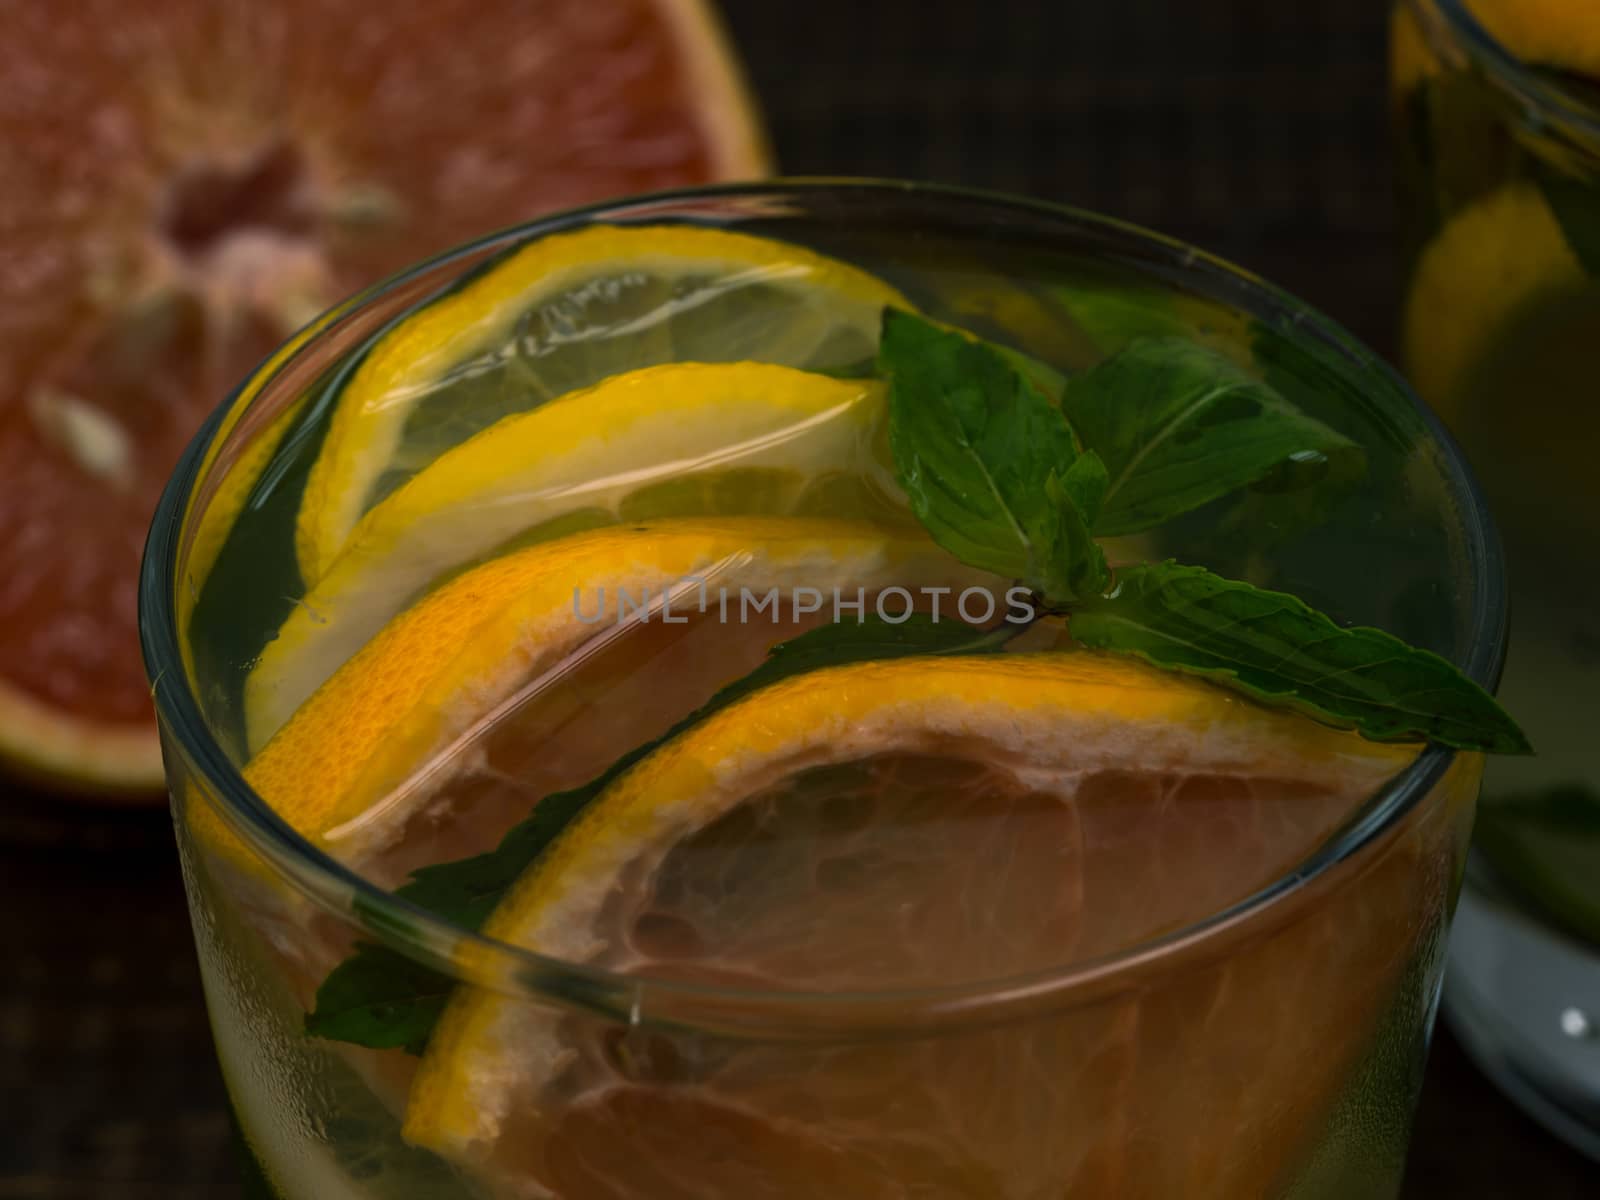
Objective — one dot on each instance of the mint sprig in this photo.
(381, 999)
(1171, 426)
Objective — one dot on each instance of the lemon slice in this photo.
(1559, 34)
(1411, 59)
(402, 708)
(1564, 34)
(878, 826)
(667, 441)
(1493, 261)
(562, 313)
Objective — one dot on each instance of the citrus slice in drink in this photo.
(561, 313)
(930, 823)
(187, 185)
(1489, 266)
(676, 440)
(372, 748)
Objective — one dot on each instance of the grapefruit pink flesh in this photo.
(187, 184)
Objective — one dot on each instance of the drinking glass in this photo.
(1271, 1048)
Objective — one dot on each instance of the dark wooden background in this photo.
(1256, 128)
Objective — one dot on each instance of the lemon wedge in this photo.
(562, 313)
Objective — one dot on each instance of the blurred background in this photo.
(1254, 128)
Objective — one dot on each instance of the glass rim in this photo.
(469, 956)
(1564, 106)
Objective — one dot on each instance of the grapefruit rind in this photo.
(727, 104)
(77, 757)
(336, 771)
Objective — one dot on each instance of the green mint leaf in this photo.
(467, 890)
(1076, 564)
(1547, 848)
(1297, 495)
(1084, 484)
(1277, 649)
(1179, 425)
(381, 999)
(1046, 378)
(1111, 312)
(975, 445)
(1036, 371)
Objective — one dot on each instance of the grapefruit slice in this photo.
(376, 744)
(677, 440)
(187, 184)
(931, 822)
(563, 313)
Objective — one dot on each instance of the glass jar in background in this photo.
(1497, 115)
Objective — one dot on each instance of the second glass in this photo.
(1498, 130)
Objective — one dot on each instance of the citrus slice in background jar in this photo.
(188, 183)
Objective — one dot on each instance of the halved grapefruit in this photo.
(186, 184)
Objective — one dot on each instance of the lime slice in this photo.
(670, 441)
(565, 312)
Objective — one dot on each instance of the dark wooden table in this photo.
(1254, 128)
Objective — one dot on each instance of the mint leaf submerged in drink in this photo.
(381, 999)
(1179, 425)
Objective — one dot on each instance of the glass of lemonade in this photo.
(1497, 110)
(618, 753)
